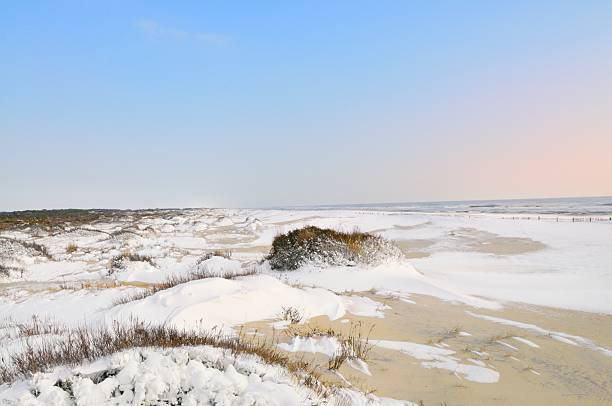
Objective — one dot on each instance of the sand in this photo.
(555, 373)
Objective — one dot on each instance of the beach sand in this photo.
(555, 372)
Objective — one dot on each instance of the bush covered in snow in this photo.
(321, 246)
(120, 261)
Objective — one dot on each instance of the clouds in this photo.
(155, 29)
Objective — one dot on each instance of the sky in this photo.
(128, 104)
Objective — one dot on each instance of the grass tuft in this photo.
(352, 346)
(71, 248)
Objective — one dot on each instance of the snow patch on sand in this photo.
(327, 345)
(556, 335)
(526, 341)
(321, 344)
(434, 357)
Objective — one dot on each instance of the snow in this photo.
(193, 375)
(433, 357)
(572, 271)
(53, 270)
(222, 303)
(360, 365)
(220, 266)
(477, 362)
(556, 335)
(140, 272)
(526, 341)
(321, 344)
(396, 278)
(507, 345)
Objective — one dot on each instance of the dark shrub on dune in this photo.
(324, 247)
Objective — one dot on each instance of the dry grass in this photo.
(451, 333)
(39, 327)
(90, 285)
(216, 253)
(498, 337)
(177, 280)
(291, 314)
(71, 248)
(310, 331)
(353, 345)
(90, 343)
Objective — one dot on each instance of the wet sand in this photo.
(556, 373)
(471, 239)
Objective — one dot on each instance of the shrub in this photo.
(321, 246)
(5, 271)
(215, 253)
(119, 262)
(291, 314)
(31, 246)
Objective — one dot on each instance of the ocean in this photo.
(597, 207)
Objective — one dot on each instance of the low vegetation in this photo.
(353, 344)
(447, 334)
(57, 220)
(216, 253)
(71, 248)
(6, 270)
(291, 314)
(36, 327)
(120, 261)
(8, 245)
(321, 246)
(177, 280)
(90, 343)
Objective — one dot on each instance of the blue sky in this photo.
(159, 104)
